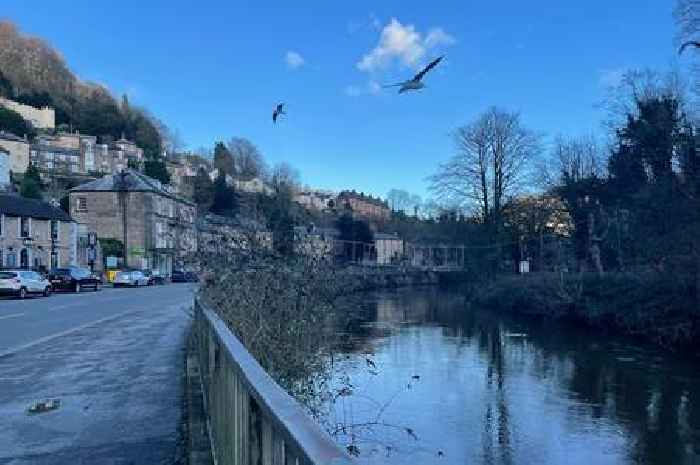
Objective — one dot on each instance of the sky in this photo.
(213, 70)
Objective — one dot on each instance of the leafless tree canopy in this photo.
(285, 175)
(247, 159)
(573, 158)
(492, 161)
(688, 18)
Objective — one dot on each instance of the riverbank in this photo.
(660, 309)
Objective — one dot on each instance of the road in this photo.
(113, 358)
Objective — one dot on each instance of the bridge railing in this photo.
(252, 420)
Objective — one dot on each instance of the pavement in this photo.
(115, 361)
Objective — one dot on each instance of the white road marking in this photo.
(28, 345)
(14, 315)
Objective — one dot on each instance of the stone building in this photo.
(41, 118)
(365, 206)
(35, 234)
(18, 148)
(157, 226)
(315, 199)
(74, 154)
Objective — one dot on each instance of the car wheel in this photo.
(47, 291)
(22, 293)
(78, 288)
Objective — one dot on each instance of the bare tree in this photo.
(687, 15)
(491, 163)
(285, 175)
(574, 158)
(247, 158)
(639, 85)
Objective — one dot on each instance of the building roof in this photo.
(387, 237)
(128, 180)
(9, 136)
(14, 205)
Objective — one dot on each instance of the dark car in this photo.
(74, 279)
(154, 277)
(181, 276)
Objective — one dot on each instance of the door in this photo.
(24, 259)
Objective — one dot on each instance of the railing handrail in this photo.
(283, 410)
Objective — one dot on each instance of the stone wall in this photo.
(41, 118)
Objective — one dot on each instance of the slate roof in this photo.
(14, 205)
(129, 180)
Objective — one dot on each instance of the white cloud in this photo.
(293, 59)
(611, 77)
(402, 43)
(437, 36)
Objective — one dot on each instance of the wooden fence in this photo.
(252, 420)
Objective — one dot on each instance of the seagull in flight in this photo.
(279, 110)
(416, 83)
(688, 44)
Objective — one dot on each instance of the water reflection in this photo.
(496, 389)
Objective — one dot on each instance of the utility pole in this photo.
(123, 200)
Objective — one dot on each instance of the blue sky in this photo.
(214, 70)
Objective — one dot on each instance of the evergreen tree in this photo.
(31, 186)
(225, 200)
(203, 189)
(157, 170)
(223, 160)
(12, 122)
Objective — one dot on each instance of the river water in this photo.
(442, 383)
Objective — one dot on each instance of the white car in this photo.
(130, 278)
(21, 283)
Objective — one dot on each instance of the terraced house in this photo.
(35, 234)
(154, 227)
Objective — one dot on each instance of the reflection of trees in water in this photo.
(655, 399)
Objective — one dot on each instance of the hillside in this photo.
(33, 72)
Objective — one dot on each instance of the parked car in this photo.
(154, 277)
(21, 283)
(182, 276)
(74, 279)
(130, 278)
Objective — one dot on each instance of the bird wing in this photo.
(393, 85)
(280, 107)
(688, 44)
(430, 66)
(274, 116)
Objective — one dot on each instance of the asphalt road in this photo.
(113, 358)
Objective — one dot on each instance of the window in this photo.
(81, 204)
(54, 230)
(24, 228)
(2, 229)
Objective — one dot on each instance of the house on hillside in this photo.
(364, 206)
(35, 234)
(157, 226)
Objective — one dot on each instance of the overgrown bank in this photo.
(662, 309)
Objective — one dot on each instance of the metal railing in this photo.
(252, 420)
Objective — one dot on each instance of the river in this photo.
(456, 385)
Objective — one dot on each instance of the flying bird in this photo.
(416, 83)
(279, 110)
(688, 44)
